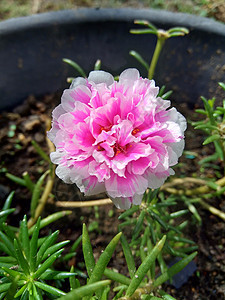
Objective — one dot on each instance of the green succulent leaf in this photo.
(34, 246)
(142, 31)
(8, 231)
(49, 262)
(36, 293)
(13, 273)
(212, 138)
(46, 245)
(139, 58)
(209, 110)
(4, 287)
(8, 259)
(128, 256)
(7, 244)
(97, 65)
(176, 268)
(117, 277)
(167, 95)
(75, 66)
(104, 259)
(129, 212)
(165, 296)
(4, 249)
(138, 226)
(178, 214)
(145, 23)
(29, 183)
(21, 291)
(37, 192)
(56, 275)
(24, 237)
(20, 257)
(144, 267)
(5, 213)
(86, 290)
(87, 251)
(8, 201)
(50, 219)
(50, 289)
(74, 282)
(222, 85)
(54, 248)
(16, 179)
(157, 218)
(76, 244)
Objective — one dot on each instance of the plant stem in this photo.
(212, 209)
(168, 187)
(190, 192)
(83, 203)
(161, 38)
(42, 201)
(49, 185)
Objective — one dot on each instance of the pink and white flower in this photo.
(116, 137)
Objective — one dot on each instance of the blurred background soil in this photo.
(205, 8)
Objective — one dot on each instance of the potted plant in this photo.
(40, 42)
(190, 65)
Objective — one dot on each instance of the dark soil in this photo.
(17, 155)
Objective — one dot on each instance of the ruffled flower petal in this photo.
(116, 137)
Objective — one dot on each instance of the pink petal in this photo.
(125, 187)
(83, 137)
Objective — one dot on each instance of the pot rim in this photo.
(83, 15)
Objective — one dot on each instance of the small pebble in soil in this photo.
(31, 123)
(39, 137)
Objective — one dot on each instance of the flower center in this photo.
(134, 131)
(106, 128)
(119, 149)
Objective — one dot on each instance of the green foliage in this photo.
(27, 262)
(161, 35)
(79, 69)
(153, 220)
(155, 233)
(214, 126)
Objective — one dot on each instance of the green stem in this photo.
(160, 43)
(212, 209)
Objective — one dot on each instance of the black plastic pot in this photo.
(32, 48)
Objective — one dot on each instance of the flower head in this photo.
(116, 137)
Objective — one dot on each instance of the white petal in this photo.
(171, 171)
(178, 118)
(125, 203)
(178, 147)
(78, 81)
(129, 74)
(173, 158)
(56, 157)
(182, 121)
(63, 173)
(58, 111)
(155, 182)
(101, 77)
(51, 134)
(121, 203)
(137, 199)
(98, 189)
